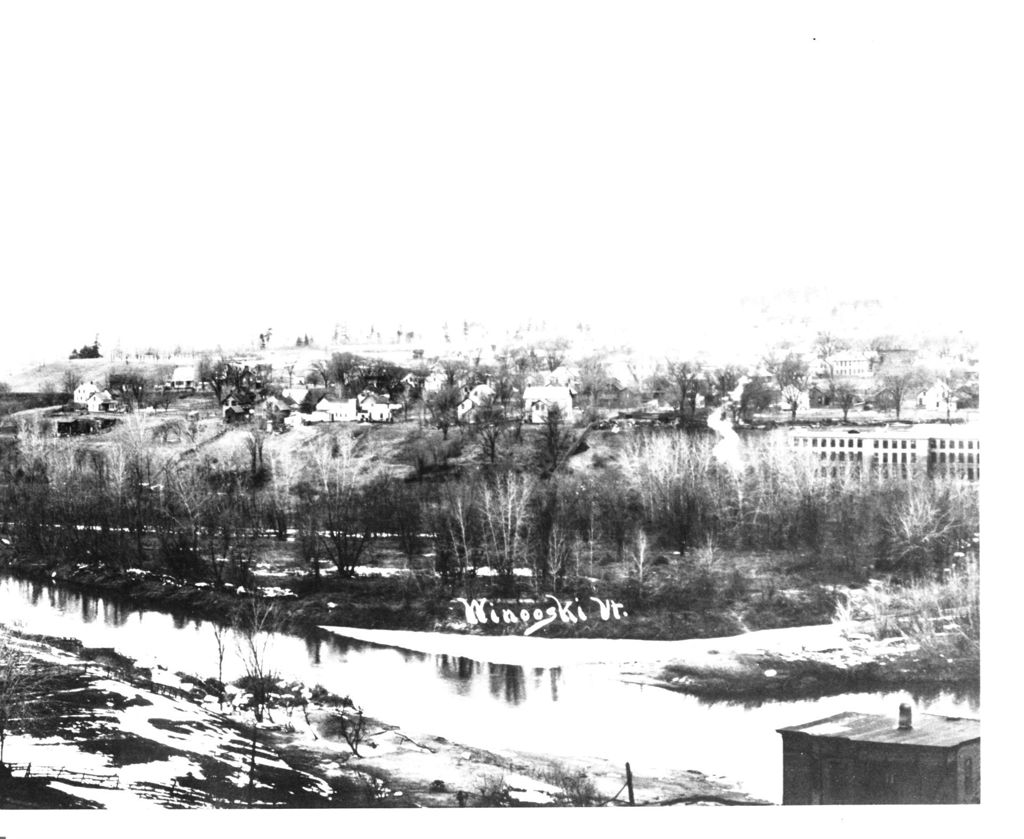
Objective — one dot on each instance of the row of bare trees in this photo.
(203, 518)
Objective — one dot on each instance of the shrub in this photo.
(940, 615)
(493, 791)
(578, 789)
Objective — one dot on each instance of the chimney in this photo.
(905, 717)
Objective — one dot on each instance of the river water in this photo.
(577, 711)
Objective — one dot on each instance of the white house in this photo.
(847, 364)
(296, 394)
(538, 399)
(183, 378)
(335, 410)
(476, 397)
(937, 398)
(436, 380)
(101, 402)
(373, 408)
(84, 391)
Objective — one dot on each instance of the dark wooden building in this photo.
(854, 758)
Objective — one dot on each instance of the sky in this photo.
(194, 172)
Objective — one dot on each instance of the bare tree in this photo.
(504, 505)
(220, 374)
(344, 368)
(844, 395)
(345, 501)
(455, 371)
(220, 633)
(489, 422)
(443, 406)
(255, 440)
(594, 379)
(132, 385)
(723, 382)
(792, 375)
(826, 346)
(70, 380)
(320, 370)
(639, 560)
(256, 622)
(457, 525)
(898, 381)
(554, 352)
(686, 378)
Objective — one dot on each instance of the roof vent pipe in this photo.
(905, 717)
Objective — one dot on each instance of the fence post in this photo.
(629, 784)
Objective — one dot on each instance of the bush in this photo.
(941, 616)
(578, 789)
(493, 791)
(925, 528)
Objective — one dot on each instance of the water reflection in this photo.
(508, 682)
(314, 645)
(89, 610)
(966, 694)
(552, 711)
(115, 613)
(458, 672)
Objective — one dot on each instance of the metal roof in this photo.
(927, 730)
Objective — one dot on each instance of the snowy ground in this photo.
(554, 652)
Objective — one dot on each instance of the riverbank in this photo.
(851, 656)
(787, 663)
(747, 592)
(804, 663)
(107, 733)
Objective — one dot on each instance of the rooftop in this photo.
(927, 730)
(955, 431)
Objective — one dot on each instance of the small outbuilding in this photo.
(852, 758)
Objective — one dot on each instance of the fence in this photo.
(92, 779)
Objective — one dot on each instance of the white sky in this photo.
(196, 171)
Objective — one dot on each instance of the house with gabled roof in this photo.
(101, 402)
(474, 398)
(937, 397)
(374, 408)
(332, 409)
(183, 378)
(237, 406)
(539, 399)
(276, 410)
(84, 391)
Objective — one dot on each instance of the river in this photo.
(573, 711)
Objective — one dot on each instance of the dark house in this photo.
(874, 759)
(237, 406)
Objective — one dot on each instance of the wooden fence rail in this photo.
(61, 773)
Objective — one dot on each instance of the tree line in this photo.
(202, 518)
